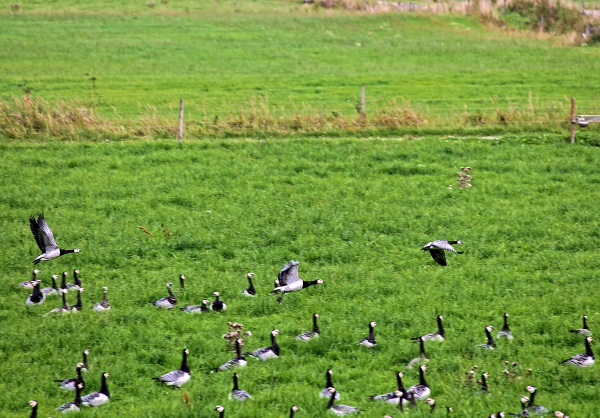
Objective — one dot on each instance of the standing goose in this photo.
(78, 306)
(370, 340)
(505, 331)
(45, 240)
(437, 248)
(30, 283)
(34, 405)
(97, 398)
(325, 392)
(86, 365)
(77, 283)
(197, 308)
(36, 297)
(339, 410)
(236, 392)
(293, 410)
(434, 336)
(217, 305)
(422, 390)
(422, 356)
(490, 340)
(307, 335)
(251, 291)
(583, 331)
(238, 361)
(53, 290)
(76, 404)
(221, 411)
(71, 384)
(177, 377)
(267, 352)
(103, 305)
(289, 281)
(531, 406)
(392, 397)
(583, 360)
(167, 302)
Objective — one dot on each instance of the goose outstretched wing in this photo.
(444, 245)
(42, 233)
(289, 274)
(439, 256)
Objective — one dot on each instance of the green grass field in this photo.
(355, 214)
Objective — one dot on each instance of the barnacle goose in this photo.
(293, 410)
(422, 356)
(583, 331)
(71, 384)
(325, 392)
(431, 403)
(78, 306)
(307, 335)
(53, 290)
(197, 308)
(77, 283)
(490, 340)
(505, 331)
(167, 302)
(339, 410)
(97, 398)
(182, 282)
(583, 360)
(236, 392)
(392, 397)
(434, 336)
(437, 248)
(86, 365)
(370, 340)
(422, 390)
(103, 305)
(220, 410)
(524, 412)
(289, 281)
(177, 377)
(238, 361)
(36, 297)
(251, 291)
(217, 305)
(267, 352)
(63, 283)
(484, 384)
(75, 405)
(34, 405)
(30, 283)
(531, 406)
(45, 240)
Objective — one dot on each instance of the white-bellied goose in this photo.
(490, 340)
(103, 305)
(76, 404)
(53, 290)
(36, 297)
(293, 410)
(505, 331)
(289, 281)
(34, 405)
(77, 283)
(167, 302)
(45, 240)
(531, 406)
(314, 333)
(177, 377)
(97, 398)
(86, 365)
(437, 248)
(30, 283)
(238, 361)
(339, 410)
(267, 352)
(236, 392)
(221, 411)
(251, 291)
(328, 384)
(434, 336)
(217, 305)
(370, 340)
(583, 360)
(71, 384)
(422, 358)
(392, 397)
(431, 403)
(197, 308)
(583, 331)
(422, 390)
(78, 306)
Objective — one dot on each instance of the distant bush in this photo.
(557, 18)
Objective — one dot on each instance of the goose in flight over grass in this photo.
(289, 281)
(45, 240)
(437, 248)
(583, 360)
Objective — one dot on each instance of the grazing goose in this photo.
(30, 283)
(78, 306)
(167, 302)
(53, 290)
(325, 392)
(437, 248)
(422, 390)
(392, 397)
(583, 360)
(307, 335)
(531, 406)
(71, 384)
(45, 240)
(177, 377)
(97, 398)
(583, 331)
(434, 336)
(238, 361)
(267, 352)
(103, 305)
(77, 283)
(220, 410)
(86, 365)
(289, 281)
(34, 405)
(370, 340)
(490, 340)
(251, 291)
(339, 410)
(75, 405)
(217, 305)
(431, 403)
(422, 356)
(293, 410)
(36, 297)
(505, 331)
(197, 308)
(236, 392)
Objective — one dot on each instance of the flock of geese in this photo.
(288, 281)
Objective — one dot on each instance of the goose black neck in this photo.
(315, 326)
(36, 289)
(422, 380)
(400, 385)
(63, 252)
(77, 395)
(105, 300)
(235, 382)
(484, 382)
(85, 361)
(329, 382)
(588, 348)
(309, 283)
(371, 329)
(532, 400)
(440, 326)
(292, 412)
(104, 387)
(78, 305)
(63, 284)
(76, 278)
(238, 349)
(170, 292)
(33, 411)
(330, 403)
(452, 242)
(33, 276)
(422, 346)
(251, 288)
(54, 284)
(489, 337)
(585, 323)
(274, 344)
(184, 365)
(222, 414)
(505, 327)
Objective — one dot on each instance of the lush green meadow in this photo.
(355, 214)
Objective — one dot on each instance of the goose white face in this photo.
(441, 317)
(76, 271)
(36, 271)
(531, 389)
(423, 367)
(81, 290)
(559, 414)
(459, 242)
(219, 408)
(32, 403)
(331, 390)
(485, 375)
(251, 275)
(400, 374)
(275, 332)
(169, 284)
(105, 375)
(205, 302)
(216, 293)
(86, 352)
(105, 288)
(489, 328)
(430, 401)
(373, 324)
(294, 408)
(187, 351)
(398, 394)
(316, 315)
(182, 277)
(77, 250)
(320, 281)
(55, 277)
(79, 365)
(589, 339)
(524, 399)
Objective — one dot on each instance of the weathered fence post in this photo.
(542, 23)
(180, 131)
(503, 7)
(362, 101)
(572, 120)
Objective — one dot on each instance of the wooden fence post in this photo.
(180, 131)
(503, 7)
(542, 23)
(362, 101)
(572, 120)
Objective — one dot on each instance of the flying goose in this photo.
(307, 335)
(251, 291)
(103, 305)
(197, 308)
(583, 360)
(422, 356)
(236, 392)
(72, 406)
(437, 248)
(30, 283)
(238, 361)
(34, 405)
(267, 352)
(45, 240)
(36, 297)
(53, 290)
(97, 398)
(71, 384)
(531, 406)
(177, 377)
(490, 340)
(370, 340)
(434, 336)
(77, 283)
(431, 403)
(583, 331)
(325, 392)
(221, 411)
(217, 305)
(289, 281)
(86, 365)
(505, 331)
(422, 390)
(392, 397)
(78, 306)
(339, 410)
(167, 302)
(293, 410)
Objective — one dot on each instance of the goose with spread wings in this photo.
(45, 240)
(289, 281)
(437, 250)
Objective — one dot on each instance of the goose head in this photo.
(294, 408)
(489, 328)
(76, 270)
(32, 403)
(186, 351)
(531, 389)
(169, 284)
(219, 408)
(319, 281)
(423, 367)
(316, 315)
(251, 275)
(55, 276)
(459, 242)
(331, 389)
(105, 288)
(400, 374)
(557, 414)
(430, 401)
(373, 324)
(275, 332)
(79, 365)
(105, 374)
(36, 271)
(589, 339)
(399, 393)
(205, 302)
(216, 294)
(77, 250)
